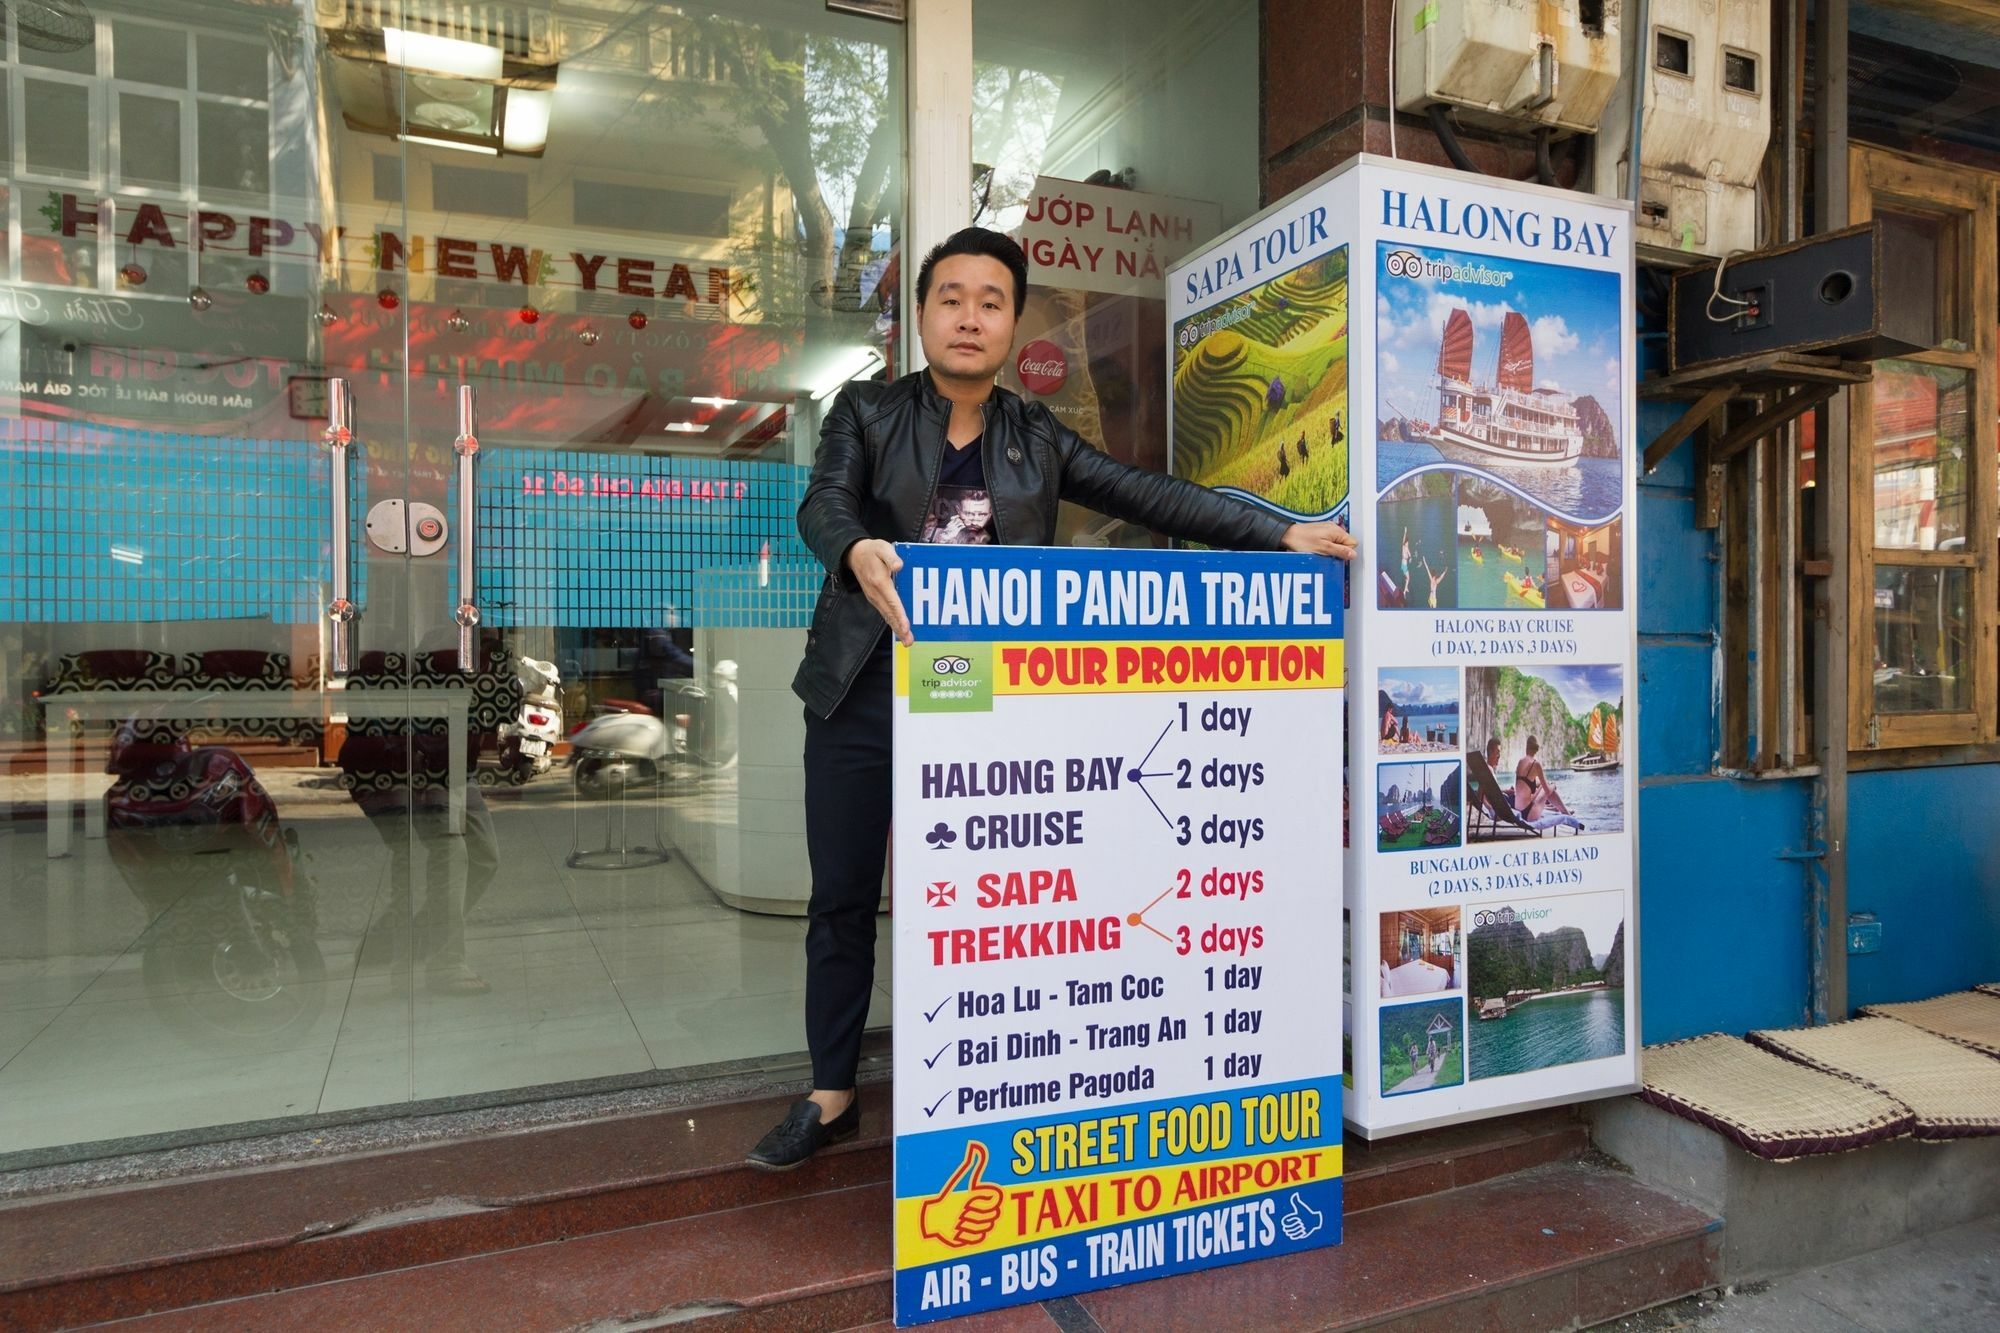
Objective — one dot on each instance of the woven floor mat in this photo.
(1968, 1018)
(1954, 1091)
(1764, 1103)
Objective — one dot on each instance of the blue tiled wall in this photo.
(627, 551)
(115, 525)
(121, 526)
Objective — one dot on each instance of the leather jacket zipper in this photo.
(986, 452)
(937, 474)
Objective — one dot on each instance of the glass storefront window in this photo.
(1921, 441)
(1922, 640)
(251, 880)
(263, 868)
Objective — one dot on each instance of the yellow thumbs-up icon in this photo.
(960, 1219)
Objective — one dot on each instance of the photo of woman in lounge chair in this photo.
(1541, 758)
(1534, 795)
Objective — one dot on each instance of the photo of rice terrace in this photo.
(1260, 391)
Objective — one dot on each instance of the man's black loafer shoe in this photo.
(800, 1134)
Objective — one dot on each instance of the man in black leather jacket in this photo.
(942, 454)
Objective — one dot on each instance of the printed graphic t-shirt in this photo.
(961, 513)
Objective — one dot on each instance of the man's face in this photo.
(967, 320)
(1493, 752)
(978, 511)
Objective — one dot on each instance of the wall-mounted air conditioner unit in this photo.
(1706, 74)
(1510, 64)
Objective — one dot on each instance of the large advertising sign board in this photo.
(1491, 830)
(1116, 891)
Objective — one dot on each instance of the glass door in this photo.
(405, 404)
(199, 402)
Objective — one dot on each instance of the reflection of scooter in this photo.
(230, 957)
(627, 745)
(528, 743)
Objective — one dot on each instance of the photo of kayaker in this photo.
(1502, 551)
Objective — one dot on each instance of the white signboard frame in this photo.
(1117, 887)
(1493, 466)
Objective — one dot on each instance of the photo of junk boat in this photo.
(1601, 742)
(1507, 421)
(1507, 369)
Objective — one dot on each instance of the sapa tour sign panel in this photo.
(1117, 883)
(1489, 363)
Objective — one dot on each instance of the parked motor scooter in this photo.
(527, 747)
(230, 957)
(628, 745)
(624, 745)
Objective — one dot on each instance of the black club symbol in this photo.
(940, 837)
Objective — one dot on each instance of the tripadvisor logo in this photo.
(952, 679)
(1506, 916)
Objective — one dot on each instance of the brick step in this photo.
(76, 1259)
(1559, 1247)
(128, 1250)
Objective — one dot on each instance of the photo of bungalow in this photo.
(1586, 566)
(1421, 949)
(1423, 1046)
(1416, 806)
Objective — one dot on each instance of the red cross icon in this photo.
(941, 893)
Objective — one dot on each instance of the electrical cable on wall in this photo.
(1715, 294)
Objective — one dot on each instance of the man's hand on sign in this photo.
(874, 564)
(959, 1220)
(1320, 539)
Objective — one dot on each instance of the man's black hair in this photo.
(979, 241)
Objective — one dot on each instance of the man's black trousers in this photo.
(847, 841)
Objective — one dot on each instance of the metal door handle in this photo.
(338, 436)
(466, 446)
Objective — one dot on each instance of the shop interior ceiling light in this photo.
(441, 55)
(527, 121)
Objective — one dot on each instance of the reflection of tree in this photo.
(1012, 110)
(829, 111)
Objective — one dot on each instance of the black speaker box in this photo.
(1836, 294)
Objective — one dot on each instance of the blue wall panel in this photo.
(1676, 708)
(1722, 944)
(1923, 855)
(1676, 578)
